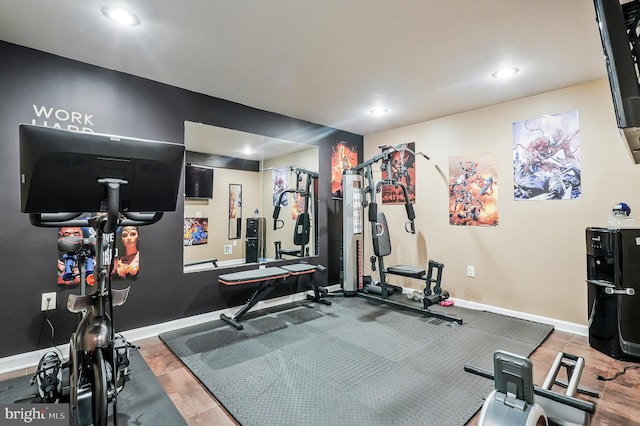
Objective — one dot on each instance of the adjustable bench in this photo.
(300, 270)
(268, 279)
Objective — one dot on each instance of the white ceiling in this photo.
(329, 61)
(203, 138)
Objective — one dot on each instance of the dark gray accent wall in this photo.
(221, 161)
(44, 89)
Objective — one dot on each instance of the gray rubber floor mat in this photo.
(355, 362)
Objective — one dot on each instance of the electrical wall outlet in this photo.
(48, 302)
(227, 249)
(471, 271)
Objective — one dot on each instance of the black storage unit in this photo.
(256, 237)
(613, 280)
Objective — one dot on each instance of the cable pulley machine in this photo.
(303, 221)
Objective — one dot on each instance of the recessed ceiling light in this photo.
(505, 72)
(121, 16)
(379, 110)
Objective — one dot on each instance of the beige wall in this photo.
(534, 261)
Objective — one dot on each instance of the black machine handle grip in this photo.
(410, 227)
(277, 223)
(407, 202)
(322, 269)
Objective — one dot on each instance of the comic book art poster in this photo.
(343, 157)
(127, 253)
(196, 231)
(280, 184)
(77, 251)
(546, 158)
(403, 169)
(473, 190)
(297, 205)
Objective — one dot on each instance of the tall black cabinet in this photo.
(613, 280)
(256, 237)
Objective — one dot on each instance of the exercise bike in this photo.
(98, 359)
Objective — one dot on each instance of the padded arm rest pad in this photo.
(406, 271)
(300, 269)
(253, 276)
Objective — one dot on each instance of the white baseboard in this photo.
(569, 327)
(30, 359)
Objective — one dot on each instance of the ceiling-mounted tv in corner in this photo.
(198, 181)
(618, 25)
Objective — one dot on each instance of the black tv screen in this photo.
(59, 171)
(618, 26)
(198, 182)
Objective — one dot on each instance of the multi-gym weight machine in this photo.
(301, 236)
(359, 192)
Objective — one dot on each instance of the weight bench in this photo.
(300, 270)
(268, 279)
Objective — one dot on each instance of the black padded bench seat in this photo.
(290, 252)
(301, 269)
(253, 276)
(407, 271)
(268, 279)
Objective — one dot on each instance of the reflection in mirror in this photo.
(295, 186)
(235, 211)
(265, 169)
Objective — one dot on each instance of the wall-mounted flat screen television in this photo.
(618, 26)
(60, 171)
(198, 181)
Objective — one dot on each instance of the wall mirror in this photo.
(255, 178)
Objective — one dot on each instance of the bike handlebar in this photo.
(56, 220)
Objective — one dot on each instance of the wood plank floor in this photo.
(618, 405)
